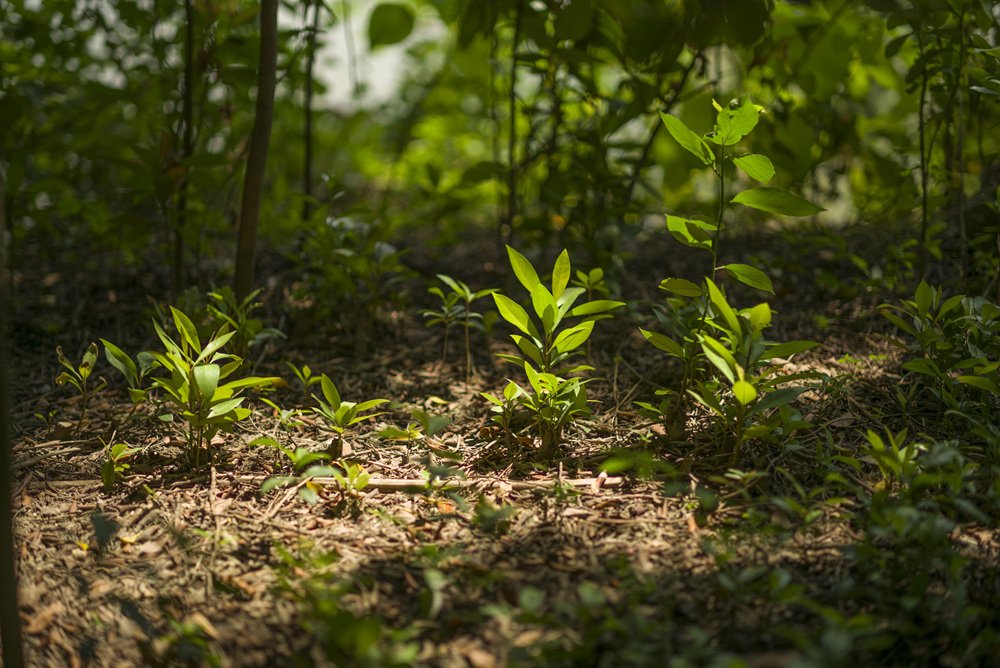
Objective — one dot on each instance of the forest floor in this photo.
(518, 562)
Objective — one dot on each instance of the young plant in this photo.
(456, 309)
(300, 459)
(424, 424)
(698, 314)
(225, 309)
(553, 404)
(79, 375)
(303, 376)
(341, 415)
(504, 410)
(133, 371)
(352, 480)
(895, 457)
(194, 386)
(114, 467)
(544, 341)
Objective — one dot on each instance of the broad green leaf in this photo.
(186, 329)
(719, 356)
(789, 348)
(214, 345)
(756, 166)
(734, 123)
(744, 392)
(525, 273)
(529, 347)
(225, 407)
(722, 306)
(371, 403)
(512, 312)
(534, 378)
(924, 298)
(545, 307)
(749, 275)
(118, 359)
(252, 381)
(574, 337)
(560, 273)
(759, 316)
(274, 482)
(390, 23)
(694, 233)
(691, 142)
(206, 377)
(663, 342)
(980, 382)
(681, 287)
(596, 306)
(330, 391)
(923, 366)
(776, 201)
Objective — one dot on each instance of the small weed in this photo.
(341, 415)
(78, 376)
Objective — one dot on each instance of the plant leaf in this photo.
(390, 23)
(663, 342)
(525, 273)
(776, 201)
(756, 166)
(560, 274)
(691, 142)
(749, 275)
(512, 312)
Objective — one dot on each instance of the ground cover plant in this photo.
(724, 278)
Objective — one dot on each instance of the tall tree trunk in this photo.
(10, 622)
(318, 7)
(187, 148)
(253, 180)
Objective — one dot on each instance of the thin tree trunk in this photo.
(187, 148)
(253, 180)
(10, 621)
(507, 231)
(307, 170)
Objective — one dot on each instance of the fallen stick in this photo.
(419, 484)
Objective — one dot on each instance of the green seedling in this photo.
(456, 309)
(194, 389)
(553, 404)
(545, 342)
(79, 376)
(237, 314)
(352, 480)
(895, 457)
(303, 376)
(133, 371)
(114, 467)
(504, 410)
(424, 424)
(341, 415)
(287, 417)
(304, 466)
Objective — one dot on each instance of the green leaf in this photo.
(663, 342)
(214, 345)
(545, 307)
(206, 377)
(330, 391)
(691, 142)
(224, 407)
(722, 306)
(596, 306)
(749, 275)
(924, 297)
(561, 271)
(525, 273)
(789, 348)
(512, 312)
(118, 359)
(681, 287)
(744, 392)
(186, 328)
(734, 123)
(694, 233)
(776, 201)
(756, 166)
(980, 382)
(275, 481)
(390, 23)
(574, 337)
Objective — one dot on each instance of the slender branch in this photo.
(307, 169)
(187, 146)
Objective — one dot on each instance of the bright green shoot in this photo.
(303, 462)
(341, 415)
(456, 309)
(544, 340)
(194, 386)
(79, 375)
(115, 466)
(553, 404)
